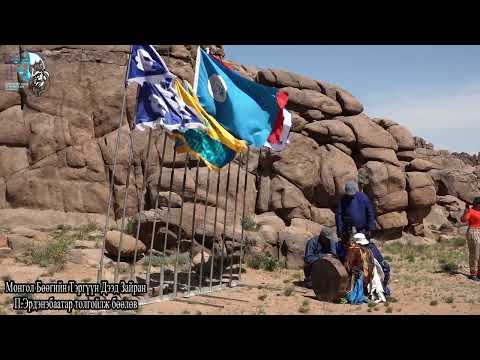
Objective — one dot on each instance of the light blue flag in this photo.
(248, 110)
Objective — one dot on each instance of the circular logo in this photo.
(217, 88)
(32, 70)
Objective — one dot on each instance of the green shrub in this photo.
(449, 299)
(457, 242)
(433, 303)
(262, 297)
(389, 310)
(265, 262)
(249, 224)
(304, 307)
(288, 291)
(130, 228)
(53, 253)
(372, 305)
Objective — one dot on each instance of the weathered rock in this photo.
(418, 180)
(392, 220)
(383, 179)
(12, 160)
(385, 123)
(343, 148)
(379, 154)
(268, 234)
(305, 226)
(313, 115)
(406, 155)
(164, 197)
(270, 219)
(403, 137)
(112, 245)
(49, 219)
(368, 133)
(421, 165)
(19, 242)
(300, 163)
(451, 203)
(303, 100)
(330, 131)
(422, 197)
(293, 247)
(298, 122)
(456, 182)
(350, 105)
(325, 217)
(281, 78)
(395, 201)
(286, 195)
(336, 169)
(15, 131)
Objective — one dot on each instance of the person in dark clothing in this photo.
(318, 246)
(381, 260)
(354, 210)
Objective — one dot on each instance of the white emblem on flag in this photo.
(217, 88)
(144, 60)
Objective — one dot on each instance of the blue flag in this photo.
(156, 105)
(147, 65)
(249, 111)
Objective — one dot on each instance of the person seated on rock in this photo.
(355, 210)
(361, 240)
(317, 247)
(471, 216)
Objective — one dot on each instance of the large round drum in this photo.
(330, 280)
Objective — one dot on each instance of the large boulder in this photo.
(421, 165)
(287, 197)
(394, 201)
(300, 163)
(336, 169)
(12, 160)
(270, 219)
(422, 197)
(368, 133)
(128, 244)
(460, 183)
(383, 179)
(303, 100)
(323, 216)
(418, 180)
(403, 137)
(330, 131)
(305, 226)
(282, 78)
(379, 154)
(292, 247)
(350, 105)
(393, 220)
(15, 131)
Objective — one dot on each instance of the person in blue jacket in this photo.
(354, 210)
(317, 247)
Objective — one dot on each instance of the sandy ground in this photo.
(418, 284)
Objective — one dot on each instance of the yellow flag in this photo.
(215, 130)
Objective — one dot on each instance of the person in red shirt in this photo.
(472, 217)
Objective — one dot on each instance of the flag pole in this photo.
(242, 239)
(115, 156)
(234, 224)
(125, 200)
(214, 231)
(142, 205)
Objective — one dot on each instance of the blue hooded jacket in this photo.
(358, 210)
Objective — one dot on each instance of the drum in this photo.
(330, 280)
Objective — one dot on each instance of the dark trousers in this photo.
(307, 270)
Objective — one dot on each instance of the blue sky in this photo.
(433, 90)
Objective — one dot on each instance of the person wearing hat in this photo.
(321, 245)
(471, 216)
(354, 210)
(361, 239)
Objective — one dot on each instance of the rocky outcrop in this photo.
(56, 157)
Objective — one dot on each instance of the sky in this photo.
(432, 90)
